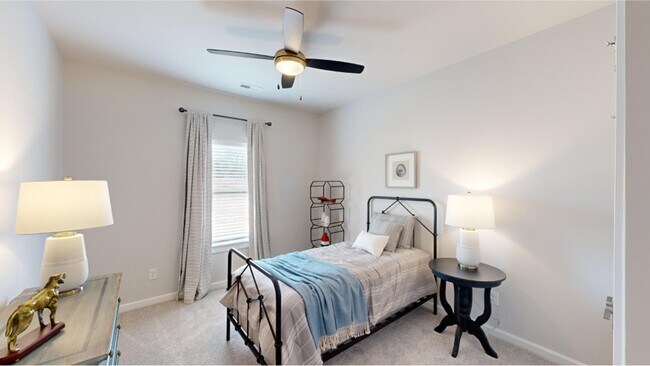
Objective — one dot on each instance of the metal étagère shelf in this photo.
(334, 192)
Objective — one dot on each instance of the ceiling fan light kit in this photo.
(290, 64)
(289, 61)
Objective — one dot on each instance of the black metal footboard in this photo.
(255, 299)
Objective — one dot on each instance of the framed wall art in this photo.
(402, 170)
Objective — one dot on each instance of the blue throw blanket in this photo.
(334, 302)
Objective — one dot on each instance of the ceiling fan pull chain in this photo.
(300, 85)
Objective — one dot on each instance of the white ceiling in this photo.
(396, 41)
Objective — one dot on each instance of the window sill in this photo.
(226, 247)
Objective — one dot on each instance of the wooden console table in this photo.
(91, 328)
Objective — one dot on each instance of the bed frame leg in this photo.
(227, 327)
(435, 304)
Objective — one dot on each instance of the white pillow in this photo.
(371, 243)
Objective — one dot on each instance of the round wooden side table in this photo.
(464, 281)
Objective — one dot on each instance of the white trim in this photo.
(147, 302)
(535, 348)
(618, 339)
(541, 351)
(218, 285)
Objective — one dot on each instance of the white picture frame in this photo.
(402, 170)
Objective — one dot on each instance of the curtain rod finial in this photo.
(182, 110)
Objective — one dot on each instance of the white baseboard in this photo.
(163, 298)
(218, 285)
(541, 351)
(147, 302)
(555, 357)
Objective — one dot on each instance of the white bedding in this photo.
(390, 282)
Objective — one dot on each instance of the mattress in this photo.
(389, 282)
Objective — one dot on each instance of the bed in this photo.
(393, 284)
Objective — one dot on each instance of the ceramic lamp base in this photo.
(468, 252)
(465, 267)
(65, 254)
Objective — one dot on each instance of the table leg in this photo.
(480, 334)
(475, 326)
(459, 333)
(487, 308)
(461, 316)
(462, 309)
(443, 297)
(450, 318)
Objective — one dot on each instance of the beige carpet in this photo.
(175, 333)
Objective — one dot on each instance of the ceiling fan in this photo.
(289, 60)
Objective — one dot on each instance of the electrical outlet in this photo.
(494, 298)
(153, 273)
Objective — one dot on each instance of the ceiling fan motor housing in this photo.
(289, 63)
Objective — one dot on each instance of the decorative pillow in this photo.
(380, 226)
(406, 239)
(408, 225)
(371, 243)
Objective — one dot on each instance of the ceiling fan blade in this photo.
(338, 66)
(292, 30)
(239, 54)
(287, 81)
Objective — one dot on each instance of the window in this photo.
(229, 194)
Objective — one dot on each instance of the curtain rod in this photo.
(183, 110)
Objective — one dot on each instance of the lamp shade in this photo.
(66, 205)
(470, 211)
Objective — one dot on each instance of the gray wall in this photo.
(528, 123)
(125, 127)
(30, 135)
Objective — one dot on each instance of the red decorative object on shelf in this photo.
(327, 200)
(324, 239)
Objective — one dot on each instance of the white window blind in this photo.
(229, 193)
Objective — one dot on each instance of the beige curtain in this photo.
(196, 247)
(259, 242)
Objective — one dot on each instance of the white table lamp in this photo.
(469, 212)
(61, 207)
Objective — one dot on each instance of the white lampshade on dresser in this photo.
(61, 207)
(469, 212)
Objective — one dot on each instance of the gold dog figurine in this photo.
(22, 317)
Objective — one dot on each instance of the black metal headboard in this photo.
(398, 200)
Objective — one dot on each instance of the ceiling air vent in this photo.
(249, 87)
